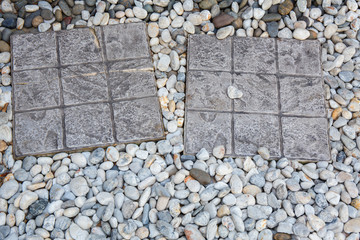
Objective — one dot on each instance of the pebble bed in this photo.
(151, 190)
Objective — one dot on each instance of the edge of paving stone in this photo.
(185, 152)
(80, 149)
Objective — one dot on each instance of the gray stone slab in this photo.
(302, 96)
(88, 125)
(135, 82)
(31, 51)
(123, 41)
(278, 79)
(137, 120)
(252, 131)
(299, 57)
(38, 132)
(208, 91)
(305, 138)
(260, 93)
(208, 53)
(66, 91)
(207, 130)
(36, 89)
(255, 55)
(84, 83)
(80, 46)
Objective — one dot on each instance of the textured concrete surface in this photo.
(83, 88)
(282, 107)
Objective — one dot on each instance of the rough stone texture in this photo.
(38, 132)
(282, 107)
(207, 91)
(305, 137)
(33, 51)
(67, 95)
(36, 89)
(299, 57)
(126, 41)
(207, 130)
(84, 83)
(208, 53)
(302, 96)
(254, 130)
(80, 46)
(255, 55)
(259, 93)
(138, 120)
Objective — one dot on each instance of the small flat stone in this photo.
(201, 176)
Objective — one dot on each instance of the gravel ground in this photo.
(160, 193)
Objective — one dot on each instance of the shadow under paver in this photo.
(282, 107)
(83, 88)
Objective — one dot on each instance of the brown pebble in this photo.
(201, 176)
(282, 236)
(238, 23)
(37, 20)
(223, 20)
(3, 145)
(4, 46)
(356, 203)
(285, 7)
(313, 34)
(58, 15)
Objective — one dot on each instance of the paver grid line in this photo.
(232, 100)
(108, 83)
(279, 99)
(61, 91)
(279, 113)
(110, 100)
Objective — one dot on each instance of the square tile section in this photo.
(299, 57)
(302, 96)
(260, 92)
(68, 96)
(254, 130)
(207, 91)
(38, 132)
(279, 79)
(125, 41)
(255, 55)
(84, 83)
(31, 51)
(88, 125)
(131, 83)
(138, 119)
(207, 130)
(208, 53)
(80, 46)
(36, 89)
(305, 138)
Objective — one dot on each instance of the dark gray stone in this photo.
(34, 51)
(84, 83)
(207, 130)
(302, 96)
(305, 138)
(135, 81)
(38, 132)
(88, 125)
(208, 53)
(260, 93)
(80, 46)
(35, 89)
(299, 57)
(123, 41)
(255, 55)
(208, 91)
(252, 131)
(138, 120)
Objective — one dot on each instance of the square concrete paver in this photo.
(83, 88)
(282, 107)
